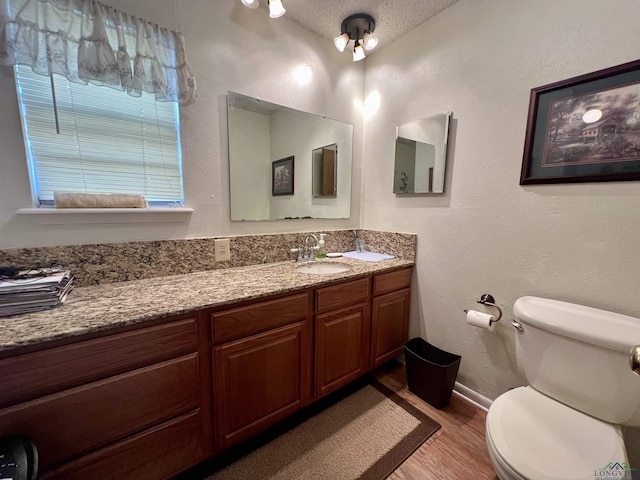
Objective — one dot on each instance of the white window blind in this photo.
(104, 141)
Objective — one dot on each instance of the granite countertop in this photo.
(95, 308)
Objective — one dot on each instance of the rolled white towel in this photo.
(98, 200)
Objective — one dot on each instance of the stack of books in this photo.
(24, 291)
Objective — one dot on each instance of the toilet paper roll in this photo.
(481, 319)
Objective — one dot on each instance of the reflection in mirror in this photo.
(324, 171)
(261, 133)
(421, 155)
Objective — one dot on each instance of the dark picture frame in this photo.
(282, 176)
(585, 129)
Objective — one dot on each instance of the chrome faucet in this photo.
(307, 253)
(306, 241)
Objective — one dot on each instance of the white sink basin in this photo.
(322, 268)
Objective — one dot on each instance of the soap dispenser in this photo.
(321, 253)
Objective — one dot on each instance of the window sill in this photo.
(77, 216)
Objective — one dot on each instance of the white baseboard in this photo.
(471, 396)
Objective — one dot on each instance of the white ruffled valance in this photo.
(87, 41)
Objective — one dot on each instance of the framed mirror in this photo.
(261, 133)
(324, 163)
(421, 155)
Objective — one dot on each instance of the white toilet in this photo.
(566, 423)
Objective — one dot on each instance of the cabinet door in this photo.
(389, 326)
(260, 380)
(342, 353)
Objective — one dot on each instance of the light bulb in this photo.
(276, 9)
(251, 3)
(358, 52)
(341, 41)
(592, 115)
(369, 41)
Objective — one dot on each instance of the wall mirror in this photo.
(324, 163)
(261, 133)
(421, 155)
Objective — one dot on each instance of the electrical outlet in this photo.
(222, 251)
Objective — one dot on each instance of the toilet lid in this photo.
(540, 438)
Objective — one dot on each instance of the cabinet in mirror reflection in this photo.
(421, 155)
(262, 132)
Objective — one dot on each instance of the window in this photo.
(92, 139)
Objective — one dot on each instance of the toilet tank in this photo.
(580, 356)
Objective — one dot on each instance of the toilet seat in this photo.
(502, 468)
(534, 437)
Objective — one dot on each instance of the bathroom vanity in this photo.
(209, 359)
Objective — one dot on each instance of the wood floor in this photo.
(455, 452)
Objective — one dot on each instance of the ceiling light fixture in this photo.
(358, 52)
(369, 42)
(341, 41)
(275, 8)
(358, 27)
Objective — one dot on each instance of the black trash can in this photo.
(431, 372)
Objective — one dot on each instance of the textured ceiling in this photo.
(393, 18)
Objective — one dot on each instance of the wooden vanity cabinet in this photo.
(389, 315)
(127, 405)
(263, 374)
(342, 334)
(153, 400)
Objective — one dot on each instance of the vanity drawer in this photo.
(389, 282)
(31, 375)
(155, 454)
(258, 317)
(342, 295)
(76, 421)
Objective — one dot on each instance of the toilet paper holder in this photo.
(487, 299)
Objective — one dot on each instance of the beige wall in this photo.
(230, 47)
(577, 242)
(249, 181)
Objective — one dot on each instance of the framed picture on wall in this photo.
(282, 176)
(585, 129)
